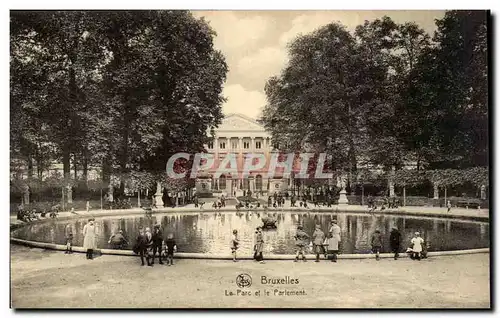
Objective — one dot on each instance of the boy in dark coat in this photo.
(141, 247)
(157, 243)
(395, 241)
(376, 244)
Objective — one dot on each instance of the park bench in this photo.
(468, 204)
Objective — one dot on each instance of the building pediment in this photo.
(238, 122)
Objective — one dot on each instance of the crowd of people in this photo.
(148, 243)
(387, 202)
(320, 243)
(329, 245)
(30, 215)
(151, 244)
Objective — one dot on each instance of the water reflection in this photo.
(211, 233)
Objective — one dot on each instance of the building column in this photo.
(229, 187)
(252, 144)
(229, 146)
(240, 144)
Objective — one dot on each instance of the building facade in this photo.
(240, 136)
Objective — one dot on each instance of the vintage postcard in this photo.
(249, 159)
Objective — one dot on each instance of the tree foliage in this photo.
(386, 95)
(119, 89)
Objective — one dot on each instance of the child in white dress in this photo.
(417, 243)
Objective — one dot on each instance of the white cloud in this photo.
(241, 101)
(234, 32)
(264, 63)
(269, 61)
(239, 36)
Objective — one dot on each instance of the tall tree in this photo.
(323, 97)
(164, 82)
(58, 53)
(446, 104)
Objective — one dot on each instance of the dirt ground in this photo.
(50, 279)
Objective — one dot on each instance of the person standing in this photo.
(141, 246)
(117, 240)
(89, 238)
(301, 240)
(68, 231)
(259, 246)
(234, 244)
(395, 241)
(157, 243)
(149, 244)
(334, 240)
(171, 247)
(376, 243)
(370, 201)
(87, 206)
(318, 239)
(448, 205)
(417, 243)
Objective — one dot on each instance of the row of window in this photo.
(246, 145)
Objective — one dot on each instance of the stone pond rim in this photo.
(402, 212)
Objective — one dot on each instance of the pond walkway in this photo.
(461, 213)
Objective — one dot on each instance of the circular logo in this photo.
(243, 280)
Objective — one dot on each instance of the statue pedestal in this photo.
(159, 200)
(159, 196)
(69, 195)
(343, 198)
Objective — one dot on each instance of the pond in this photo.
(211, 232)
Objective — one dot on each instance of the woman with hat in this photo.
(89, 238)
(334, 240)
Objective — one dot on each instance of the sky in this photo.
(254, 44)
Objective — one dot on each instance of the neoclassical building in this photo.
(240, 135)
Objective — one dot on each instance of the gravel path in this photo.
(50, 279)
